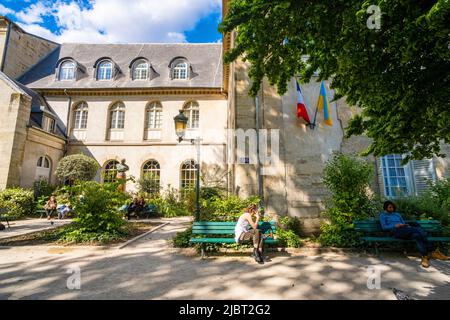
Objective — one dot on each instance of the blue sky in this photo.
(117, 21)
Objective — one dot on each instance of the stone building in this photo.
(118, 101)
(111, 102)
(294, 186)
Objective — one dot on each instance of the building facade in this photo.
(118, 101)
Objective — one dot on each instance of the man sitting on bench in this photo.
(243, 233)
(393, 222)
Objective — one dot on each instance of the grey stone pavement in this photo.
(22, 227)
(151, 269)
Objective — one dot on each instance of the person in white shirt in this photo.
(243, 232)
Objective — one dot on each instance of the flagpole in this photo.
(313, 125)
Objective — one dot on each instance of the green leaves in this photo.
(77, 167)
(399, 75)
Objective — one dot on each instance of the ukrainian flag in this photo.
(324, 105)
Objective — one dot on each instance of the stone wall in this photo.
(40, 143)
(15, 110)
(24, 50)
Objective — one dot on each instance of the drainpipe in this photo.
(69, 104)
(5, 49)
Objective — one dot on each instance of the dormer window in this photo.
(48, 124)
(179, 69)
(67, 70)
(105, 70)
(141, 70)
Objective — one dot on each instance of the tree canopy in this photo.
(77, 167)
(397, 72)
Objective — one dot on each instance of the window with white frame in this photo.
(406, 180)
(67, 70)
(48, 124)
(188, 175)
(43, 169)
(151, 172)
(105, 70)
(80, 116)
(110, 171)
(180, 70)
(141, 70)
(154, 115)
(192, 111)
(117, 116)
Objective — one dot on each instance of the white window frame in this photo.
(140, 68)
(409, 171)
(67, 73)
(80, 116)
(102, 70)
(180, 70)
(117, 116)
(192, 111)
(153, 168)
(188, 174)
(153, 116)
(112, 177)
(48, 124)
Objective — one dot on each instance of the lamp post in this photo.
(180, 129)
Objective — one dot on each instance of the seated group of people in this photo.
(135, 207)
(391, 221)
(51, 207)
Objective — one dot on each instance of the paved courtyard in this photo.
(150, 269)
(23, 227)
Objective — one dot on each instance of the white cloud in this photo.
(33, 14)
(116, 21)
(4, 10)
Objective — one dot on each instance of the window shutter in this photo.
(423, 172)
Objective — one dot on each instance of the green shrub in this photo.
(97, 217)
(293, 224)
(42, 188)
(348, 178)
(181, 239)
(170, 204)
(288, 238)
(18, 202)
(425, 207)
(227, 209)
(149, 185)
(77, 167)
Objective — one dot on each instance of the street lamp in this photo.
(180, 129)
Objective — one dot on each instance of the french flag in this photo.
(302, 109)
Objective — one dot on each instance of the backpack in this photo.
(266, 229)
(2, 227)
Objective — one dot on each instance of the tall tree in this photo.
(394, 66)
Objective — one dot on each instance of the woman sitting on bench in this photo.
(393, 222)
(243, 233)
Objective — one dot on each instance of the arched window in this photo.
(43, 168)
(191, 110)
(188, 175)
(154, 116)
(105, 70)
(67, 70)
(151, 174)
(117, 116)
(110, 171)
(43, 162)
(140, 70)
(180, 70)
(80, 116)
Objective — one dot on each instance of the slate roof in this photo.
(205, 60)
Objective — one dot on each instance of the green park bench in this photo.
(149, 210)
(374, 234)
(220, 232)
